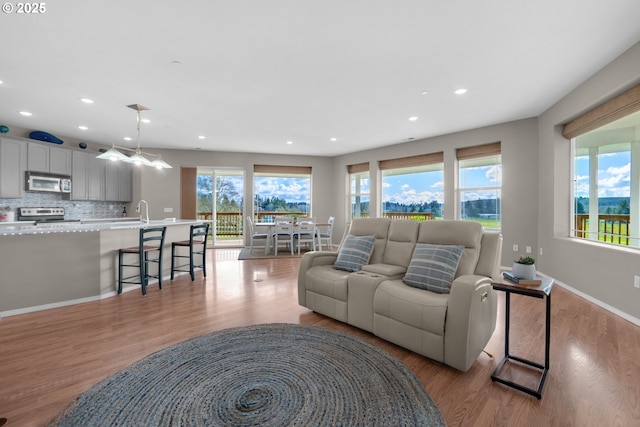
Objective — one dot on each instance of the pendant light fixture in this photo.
(138, 156)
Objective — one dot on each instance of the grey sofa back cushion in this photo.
(460, 233)
(403, 234)
(378, 227)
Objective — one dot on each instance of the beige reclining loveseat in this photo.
(452, 328)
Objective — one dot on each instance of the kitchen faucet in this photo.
(146, 208)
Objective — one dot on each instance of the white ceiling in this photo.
(251, 75)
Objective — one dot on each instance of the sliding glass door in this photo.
(221, 199)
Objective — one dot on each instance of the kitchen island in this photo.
(50, 265)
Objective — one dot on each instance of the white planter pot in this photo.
(523, 271)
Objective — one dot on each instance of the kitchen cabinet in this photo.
(47, 158)
(97, 179)
(13, 164)
(118, 181)
(79, 177)
(37, 157)
(60, 160)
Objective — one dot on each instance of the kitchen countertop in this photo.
(18, 228)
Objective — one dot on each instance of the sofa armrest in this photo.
(311, 259)
(471, 320)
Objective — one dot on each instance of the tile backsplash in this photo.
(74, 209)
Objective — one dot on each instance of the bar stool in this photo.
(197, 237)
(151, 240)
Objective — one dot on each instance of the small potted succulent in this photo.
(524, 268)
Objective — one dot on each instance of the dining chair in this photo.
(305, 233)
(283, 235)
(151, 241)
(325, 233)
(197, 245)
(255, 236)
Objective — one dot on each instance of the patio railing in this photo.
(611, 228)
(231, 224)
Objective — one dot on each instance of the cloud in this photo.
(615, 181)
(289, 189)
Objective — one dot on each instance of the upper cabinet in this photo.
(118, 181)
(79, 178)
(97, 179)
(13, 164)
(48, 158)
(60, 160)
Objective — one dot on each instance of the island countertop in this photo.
(87, 225)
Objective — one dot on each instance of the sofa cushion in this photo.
(378, 227)
(433, 267)
(403, 234)
(324, 280)
(450, 232)
(354, 252)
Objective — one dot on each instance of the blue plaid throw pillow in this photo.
(354, 253)
(433, 267)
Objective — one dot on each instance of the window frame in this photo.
(480, 156)
(358, 173)
(413, 165)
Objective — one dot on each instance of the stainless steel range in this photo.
(43, 215)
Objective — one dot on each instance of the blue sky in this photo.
(413, 188)
(614, 175)
(428, 186)
(287, 188)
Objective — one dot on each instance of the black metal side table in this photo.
(541, 290)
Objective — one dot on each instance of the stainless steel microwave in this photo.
(38, 181)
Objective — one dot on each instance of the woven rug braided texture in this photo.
(263, 375)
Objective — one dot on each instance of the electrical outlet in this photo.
(515, 248)
(528, 249)
(636, 282)
(540, 251)
(167, 210)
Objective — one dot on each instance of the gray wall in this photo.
(595, 270)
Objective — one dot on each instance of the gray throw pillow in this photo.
(433, 267)
(354, 253)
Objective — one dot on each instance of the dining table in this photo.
(270, 226)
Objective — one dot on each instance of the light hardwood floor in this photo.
(47, 358)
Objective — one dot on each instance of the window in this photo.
(281, 189)
(359, 190)
(413, 187)
(604, 190)
(606, 171)
(480, 184)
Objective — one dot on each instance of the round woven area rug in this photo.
(263, 375)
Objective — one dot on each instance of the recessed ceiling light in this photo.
(334, 139)
(86, 100)
(26, 113)
(460, 91)
(145, 121)
(202, 137)
(127, 138)
(81, 127)
(1, 82)
(413, 118)
(289, 142)
(424, 92)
